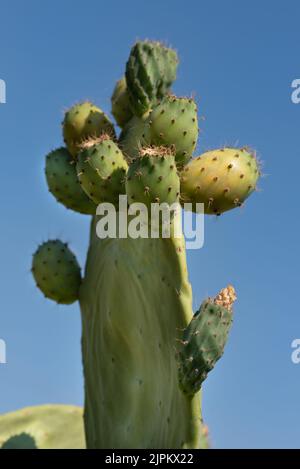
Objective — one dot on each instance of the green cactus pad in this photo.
(63, 182)
(43, 427)
(221, 179)
(135, 135)
(56, 272)
(101, 170)
(153, 178)
(83, 121)
(150, 71)
(203, 341)
(174, 122)
(134, 298)
(120, 104)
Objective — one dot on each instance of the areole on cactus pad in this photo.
(145, 354)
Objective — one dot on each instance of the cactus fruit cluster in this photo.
(145, 354)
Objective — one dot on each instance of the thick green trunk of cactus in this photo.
(135, 299)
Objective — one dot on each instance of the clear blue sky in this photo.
(239, 59)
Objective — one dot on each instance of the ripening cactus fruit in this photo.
(120, 103)
(204, 340)
(153, 178)
(101, 170)
(174, 122)
(221, 179)
(150, 72)
(84, 121)
(63, 182)
(57, 272)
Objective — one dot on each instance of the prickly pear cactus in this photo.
(43, 427)
(145, 354)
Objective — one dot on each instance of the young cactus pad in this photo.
(57, 272)
(204, 340)
(150, 72)
(84, 121)
(101, 170)
(221, 179)
(63, 182)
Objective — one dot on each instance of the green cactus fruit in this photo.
(150, 72)
(43, 427)
(134, 298)
(101, 170)
(57, 272)
(120, 104)
(203, 341)
(153, 178)
(174, 122)
(63, 182)
(135, 135)
(83, 121)
(221, 179)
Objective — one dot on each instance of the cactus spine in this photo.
(145, 355)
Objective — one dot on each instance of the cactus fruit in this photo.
(43, 427)
(203, 341)
(135, 135)
(221, 179)
(150, 72)
(120, 104)
(145, 355)
(56, 272)
(101, 170)
(153, 178)
(84, 121)
(174, 122)
(63, 182)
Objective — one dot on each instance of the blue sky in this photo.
(238, 59)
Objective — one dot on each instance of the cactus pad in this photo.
(203, 341)
(43, 427)
(150, 71)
